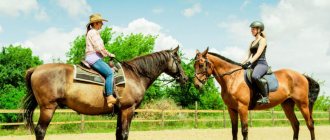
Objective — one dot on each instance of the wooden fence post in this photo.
(273, 117)
(82, 123)
(224, 116)
(329, 114)
(196, 117)
(250, 117)
(163, 117)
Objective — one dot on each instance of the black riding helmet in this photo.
(257, 24)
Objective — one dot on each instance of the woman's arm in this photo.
(262, 46)
(97, 43)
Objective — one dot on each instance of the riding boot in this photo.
(111, 101)
(263, 89)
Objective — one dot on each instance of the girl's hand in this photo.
(112, 55)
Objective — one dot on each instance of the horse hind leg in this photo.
(46, 114)
(304, 109)
(288, 107)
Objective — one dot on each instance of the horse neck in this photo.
(220, 67)
(152, 70)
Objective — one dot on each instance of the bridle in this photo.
(176, 62)
(205, 68)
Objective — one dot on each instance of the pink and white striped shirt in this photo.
(95, 49)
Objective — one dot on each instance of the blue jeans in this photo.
(105, 70)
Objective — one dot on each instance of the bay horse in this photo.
(294, 89)
(52, 85)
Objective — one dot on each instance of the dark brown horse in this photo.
(294, 89)
(52, 85)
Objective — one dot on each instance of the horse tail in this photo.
(29, 102)
(314, 89)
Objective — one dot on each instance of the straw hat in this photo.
(95, 18)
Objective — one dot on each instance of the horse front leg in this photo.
(123, 123)
(243, 113)
(234, 122)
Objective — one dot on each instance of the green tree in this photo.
(14, 61)
(124, 47)
(208, 97)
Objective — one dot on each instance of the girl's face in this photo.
(254, 31)
(98, 25)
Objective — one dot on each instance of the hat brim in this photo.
(96, 21)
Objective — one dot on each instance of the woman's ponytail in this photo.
(88, 28)
(262, 33)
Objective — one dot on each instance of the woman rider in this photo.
(95, 51)
(256, 59)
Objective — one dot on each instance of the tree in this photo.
(14, 61)
(124, 47)
(208, 97)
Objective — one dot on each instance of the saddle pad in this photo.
(91, 76)
(87, 75)
(269, 77)
(119, 75)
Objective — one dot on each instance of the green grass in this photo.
(186, 121)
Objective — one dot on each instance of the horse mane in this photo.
(148, 65)
(224, 58)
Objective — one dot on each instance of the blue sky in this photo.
(297, 30)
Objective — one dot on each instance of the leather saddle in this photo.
(269, 78)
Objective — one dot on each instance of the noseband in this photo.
(205, 66)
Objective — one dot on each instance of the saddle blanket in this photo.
(90, 76)
(270, 77)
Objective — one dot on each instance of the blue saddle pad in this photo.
(270, 77)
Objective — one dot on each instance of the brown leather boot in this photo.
(111, 101)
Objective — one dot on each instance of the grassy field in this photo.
(171, 121)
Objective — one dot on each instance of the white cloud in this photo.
(16, 8)
(51, 44)
(1, 29)
(195, 9)
(75, 7)
(157, 10)
(297, 33)
(144, 26)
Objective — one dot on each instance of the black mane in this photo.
(148, 65)
(224, 58)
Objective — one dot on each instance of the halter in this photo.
(205, 66)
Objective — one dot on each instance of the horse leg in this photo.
(46, 114)
(288, 107)
(234, 122)
(123, 123)
(243, 113)
(303, 107)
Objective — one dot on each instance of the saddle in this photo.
(269, 79)
(84, 73)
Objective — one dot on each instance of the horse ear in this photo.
(176, 49)
(205, 52)
(197, 51)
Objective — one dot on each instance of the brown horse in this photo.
(294, 89)
(52, 85)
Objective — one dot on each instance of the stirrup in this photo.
(263, 100)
